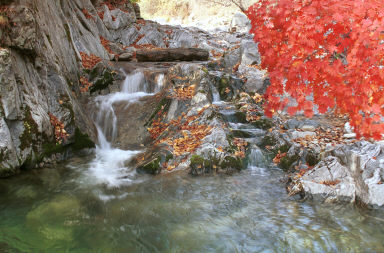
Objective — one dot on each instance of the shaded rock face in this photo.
(39, 69)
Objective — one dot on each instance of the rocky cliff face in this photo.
(41, 115)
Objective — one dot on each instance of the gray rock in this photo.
(256, 79)
(349, 136)
(298, 134)
(354, 171)
(232, 58)
(182, 38)
(250, 53)
(240, 23)
(308, 128)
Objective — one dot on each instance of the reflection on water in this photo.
(55, 210)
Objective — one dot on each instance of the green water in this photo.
(62, 210)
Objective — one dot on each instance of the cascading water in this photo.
(109, 164)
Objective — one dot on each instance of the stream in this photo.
(95, 203)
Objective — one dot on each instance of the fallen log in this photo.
(168, 54)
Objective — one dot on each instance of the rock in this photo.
(182, 38)
(126, 57)
(351, 172)
(240, 23)
(349, 136)
(348, 128)
(116, 19)
(257, 80)
(232, 58)
(308, 128)
(298, 134)
(330, 179)
(250, 53)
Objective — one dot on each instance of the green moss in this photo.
(52, 148)
(287, 161)
(2, 155)
(153, 167)
(68, 33)
(30, 130)
(169, 157)
(82, 141)
(164, 104)
(312, 159)
(49, 39)
(103, 82)
(241, 134)
(268, 141)
(197, 160)
(241, 117)
(225, 89)
(92, 73)
(263, 123)
(231, 162)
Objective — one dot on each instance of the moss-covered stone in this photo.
(168, 157)
(241, 134)
(268, 140)
(287, 161)
(231, 162)
(30, 130)
(197, 160)
(225, 89)
(312, 159)
(81, 141)
(263, 123)
(7, 172)
(153, 167)
(164, 105)
(103, 82)
(241, 117)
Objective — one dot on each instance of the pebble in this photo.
(308, 128)
(349, 136)
(297, 134)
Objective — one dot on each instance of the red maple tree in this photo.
(324, 52)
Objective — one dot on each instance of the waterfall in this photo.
(109, 167)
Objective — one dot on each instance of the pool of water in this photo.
(66, 210)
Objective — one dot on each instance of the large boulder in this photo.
(240, 23)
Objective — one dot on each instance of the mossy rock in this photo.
(200, 165)
(263, 123)
(7, 172)
(103, 82)
(268, 140)
(231, 162)
(30, 130)
(312, 159)
(241, 117)
(81, 141)
(153, 167)
(225, 89)
(241, 134)
(287, 161)
(164, 103)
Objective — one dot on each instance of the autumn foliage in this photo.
(60, 133)
(327, 53)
